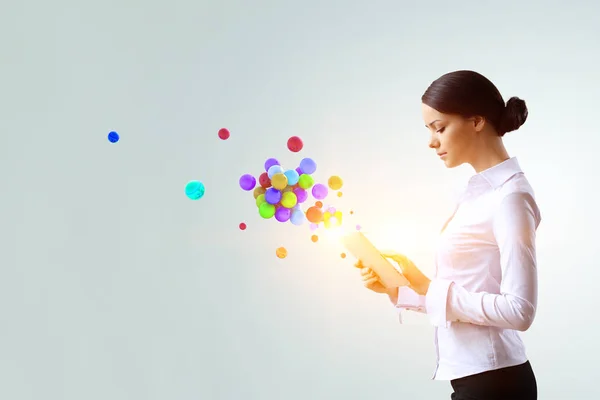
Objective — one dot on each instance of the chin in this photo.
(450, 164)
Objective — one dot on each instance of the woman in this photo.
(485, 286)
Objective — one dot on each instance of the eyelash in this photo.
(441, 130)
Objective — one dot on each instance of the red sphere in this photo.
(224, 134)
(243, 226)
(264, 180)
(295, 144)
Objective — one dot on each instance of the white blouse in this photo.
(485, 287)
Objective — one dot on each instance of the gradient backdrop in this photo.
(113, 285)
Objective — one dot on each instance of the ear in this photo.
(478, 123)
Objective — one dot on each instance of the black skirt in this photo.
(510, 383)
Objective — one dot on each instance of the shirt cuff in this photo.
(436, 301)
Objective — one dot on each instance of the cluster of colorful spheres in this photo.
(280, 192)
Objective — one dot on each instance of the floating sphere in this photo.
(258, 191)
(314, 238)
(319, 191)
(299, 171)
(272, 196)
(264, 180)
(270, 162)
(113, 137)
(319, 204)
(358, 227)
(339, 194)
(194, 190)
(306, 181)
(343, 255)
(314, 215)
(313, 227)
(297, 217)
(292, 176)
(242, 226)
(301, 195)
(335, 182)
(308, 166)
(279, 181)
(295, 144)
(224, 134)
(281, 252)
(289, 199)
(275, 169)
(260, 199)
(266, 210)
(283, 214)
(247, 182)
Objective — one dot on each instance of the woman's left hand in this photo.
(418, 281)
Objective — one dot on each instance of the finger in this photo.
(366, 271)
(371, 282)
(368, 276)
(359, 264)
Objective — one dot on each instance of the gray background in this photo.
(115, 286)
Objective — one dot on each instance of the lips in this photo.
(441, 154)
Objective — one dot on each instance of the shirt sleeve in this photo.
(408, 300)
(514, 227)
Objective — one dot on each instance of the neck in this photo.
(490, 154)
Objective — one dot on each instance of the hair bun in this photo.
(514, 115)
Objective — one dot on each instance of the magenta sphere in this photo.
(301, 195)
(283, 214)
(319, 191)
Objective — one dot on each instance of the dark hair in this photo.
(468, 94)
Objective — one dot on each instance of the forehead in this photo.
(431, 114)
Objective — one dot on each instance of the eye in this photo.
(441, 130)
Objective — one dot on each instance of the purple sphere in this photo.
(319, 191)
(247, 182)
(270, 162)
(301, 195)
(283, 214)
(272, 195)
(299, 171)
(308, 166)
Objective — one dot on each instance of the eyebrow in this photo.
(431, 123)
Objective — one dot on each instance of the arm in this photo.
(514, 227)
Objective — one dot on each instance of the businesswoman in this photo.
(484, 291)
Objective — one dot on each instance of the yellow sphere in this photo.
(289, 199)
(335, 182)
(260, 199)
(279, 181)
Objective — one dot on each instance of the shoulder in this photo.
(515, 196)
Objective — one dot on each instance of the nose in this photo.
(434, 143)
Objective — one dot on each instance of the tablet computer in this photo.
(361, 248)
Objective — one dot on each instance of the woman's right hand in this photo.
(372, 282)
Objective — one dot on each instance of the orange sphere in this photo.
(281, 252)
(314, 238)
(314, 214)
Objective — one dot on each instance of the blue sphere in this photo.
(113, 137)
(194, 190)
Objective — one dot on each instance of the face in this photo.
(453, 137)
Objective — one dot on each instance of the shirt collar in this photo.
(500, 173)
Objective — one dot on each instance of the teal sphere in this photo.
(194, 190)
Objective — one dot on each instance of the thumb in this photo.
(391, 254)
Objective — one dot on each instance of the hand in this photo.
(418, 281)
(372, 282)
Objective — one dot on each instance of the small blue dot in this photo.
(113, 137)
